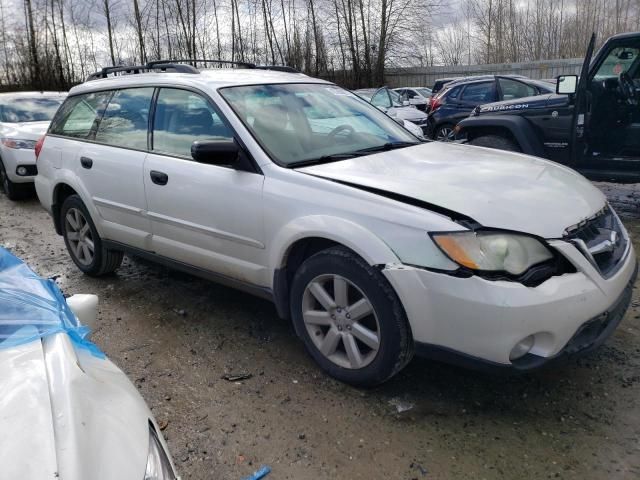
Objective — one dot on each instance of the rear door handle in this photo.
(86, 162)
(159, 178)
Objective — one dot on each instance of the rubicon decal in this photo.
(495, 108)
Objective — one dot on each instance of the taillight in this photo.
(435, 103)
(39, 145)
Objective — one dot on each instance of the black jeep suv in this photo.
(591, 123)
(459, 97)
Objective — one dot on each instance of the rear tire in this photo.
(495, 141)
(359, 333)
(83, 241)
(13, 191)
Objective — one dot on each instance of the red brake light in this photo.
(39, 145)
(435, 103)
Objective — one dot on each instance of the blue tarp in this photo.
(32, 308)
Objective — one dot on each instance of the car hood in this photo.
(407, 113)
(24, 131)
(525, 103)
(495, 188)
(67, 414)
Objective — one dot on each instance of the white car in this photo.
(375, 245)
(66, 411)
(24, 118)
(420, 97)
(390, 102)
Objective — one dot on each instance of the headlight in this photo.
(18, 144)
(493, 251)
(158, 463)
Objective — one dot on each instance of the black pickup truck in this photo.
(591, 123)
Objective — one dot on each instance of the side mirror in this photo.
(215, 152)
(406, 103)
(567, 84)
(85, 307)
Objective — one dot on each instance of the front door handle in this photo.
(159, 178)
(86, 162)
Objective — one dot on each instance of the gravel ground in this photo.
(176, 336)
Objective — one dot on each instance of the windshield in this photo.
(425, 92)
(29, 109)
(618, 61)
(307, 123)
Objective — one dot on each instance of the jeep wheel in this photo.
(83, 242)
(445, 133)
(495, 141)
(350, 319)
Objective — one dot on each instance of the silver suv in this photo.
(375, 244)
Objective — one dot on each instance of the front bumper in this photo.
(478, 322)
(13, 158)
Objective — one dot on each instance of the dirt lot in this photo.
(176, 336)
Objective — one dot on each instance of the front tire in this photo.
(83, 241)
(349, 318)
(12, 190)
(495, 141)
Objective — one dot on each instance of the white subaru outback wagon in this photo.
(375, 245)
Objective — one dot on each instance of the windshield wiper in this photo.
(323, 159)
(385, 147)
(356, 153)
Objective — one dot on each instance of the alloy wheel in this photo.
(341, 321)
(445, 134)
(78, 233)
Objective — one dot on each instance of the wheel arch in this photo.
(305, 237)
(516, 128)
(64, 187)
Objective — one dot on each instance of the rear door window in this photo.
(181, 118)
(478, 93)
(79, 116)
(126, 119)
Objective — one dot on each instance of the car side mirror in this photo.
(406, 103)
(567, 84)
(215, 152)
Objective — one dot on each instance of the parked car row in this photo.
(391, 102)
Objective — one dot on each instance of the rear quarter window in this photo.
(79, 115)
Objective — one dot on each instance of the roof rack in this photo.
(136, 69)
(278, 68)
(157, 63)
(179, 66)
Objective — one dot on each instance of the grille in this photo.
(602, 240)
